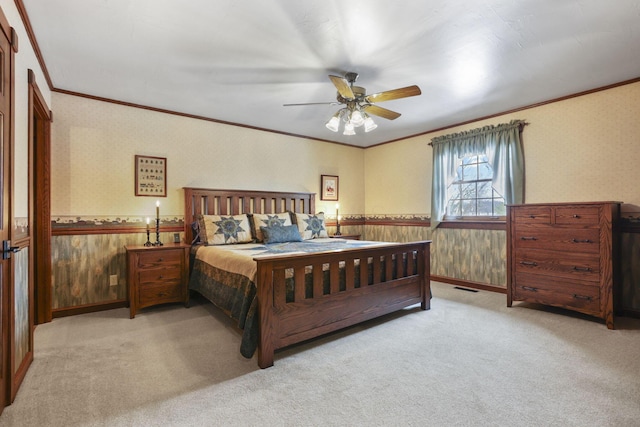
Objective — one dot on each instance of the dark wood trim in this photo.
(468, 284)
(475, 225)
(89, 308)
(81, 230)
(40, 141)
(515, 110)
(398, 222)
(34, 43)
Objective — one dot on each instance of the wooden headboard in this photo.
(204, 201)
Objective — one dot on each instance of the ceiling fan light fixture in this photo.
(333, 123)
(369, 124)
(356, 118)
(348, 129)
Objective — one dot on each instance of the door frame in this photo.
(40, 118)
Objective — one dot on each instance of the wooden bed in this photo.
(392, 286)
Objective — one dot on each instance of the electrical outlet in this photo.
(113, 280)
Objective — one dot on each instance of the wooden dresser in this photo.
(564, 255)
(157, 275)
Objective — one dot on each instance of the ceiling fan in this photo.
(358, 105)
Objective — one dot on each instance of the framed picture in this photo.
(329, 185)
(151, 176)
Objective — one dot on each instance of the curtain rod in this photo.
(521, 126)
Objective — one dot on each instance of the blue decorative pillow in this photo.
(281, 234)
(268, 220)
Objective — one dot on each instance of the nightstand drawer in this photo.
(159, 275)
(163, 258)
(159, 294)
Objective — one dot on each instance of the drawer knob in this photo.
(576, 216)
(528, 238)
(576, 268)
(532, 216)
(162, 294)
(584, 297)
(529, 288)
(581, 241)
(531, 263)
(160, 259)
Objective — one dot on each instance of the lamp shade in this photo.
(348, 129)
(333, 123)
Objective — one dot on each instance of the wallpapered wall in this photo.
(566, 160)
(580, 149)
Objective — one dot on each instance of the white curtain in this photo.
(503, 147)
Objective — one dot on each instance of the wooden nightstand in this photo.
(346, 236)
(157, 275)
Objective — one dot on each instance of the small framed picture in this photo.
(151, 176)
(329, 185)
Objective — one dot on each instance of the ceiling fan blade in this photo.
(311, 103)
(381, 112)
(344, 89)
(394, 94)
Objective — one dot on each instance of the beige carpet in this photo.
(469, 361)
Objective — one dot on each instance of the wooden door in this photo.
(5, 212)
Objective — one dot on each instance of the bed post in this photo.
(266, 347)
(426, 276)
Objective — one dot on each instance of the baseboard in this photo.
(88, 308)
(468, 284)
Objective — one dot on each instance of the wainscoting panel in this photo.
(82, 266)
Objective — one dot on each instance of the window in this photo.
(490, 174)
(471, 194)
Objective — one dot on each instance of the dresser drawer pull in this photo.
(531, 263)
(528, 238)
(576, 268)
(532, 216)
(584, 297)
(160, 259)
(582, 241)
(529, 288)
(162, 294)
(576, 216)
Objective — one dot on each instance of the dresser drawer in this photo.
(578, 215)
(557, 292)
(159, 294)
(574, 265)
(159, 275)
(532, 215)
(157, 258)
(586, 240)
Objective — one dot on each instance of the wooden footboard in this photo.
(389, 279)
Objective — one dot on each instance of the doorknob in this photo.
(7, 249)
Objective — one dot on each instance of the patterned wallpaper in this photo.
(581, 149)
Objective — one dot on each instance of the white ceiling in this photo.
(240, 61)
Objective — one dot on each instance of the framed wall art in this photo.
(151, 176)
(329, 185)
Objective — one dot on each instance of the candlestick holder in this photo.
(337, 233)
(148, 241)
(158, 242)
